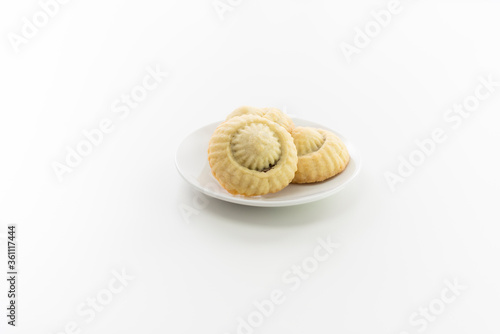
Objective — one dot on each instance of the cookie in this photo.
(272, 114)
(276, 115)
(321, 155)
(251, 155)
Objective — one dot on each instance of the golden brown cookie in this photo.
(276, 115)
(321, 154)
(272, 114)
(251, 155)
(245, 110)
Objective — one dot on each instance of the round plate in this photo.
(192, 163)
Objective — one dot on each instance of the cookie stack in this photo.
(258, 151)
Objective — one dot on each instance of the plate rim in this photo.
(241, 200)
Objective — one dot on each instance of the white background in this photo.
(120, 209)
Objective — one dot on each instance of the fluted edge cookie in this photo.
(273, 114)
(251, 155)
(321, 155)
(245, 110)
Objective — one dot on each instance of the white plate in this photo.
(192, 163)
